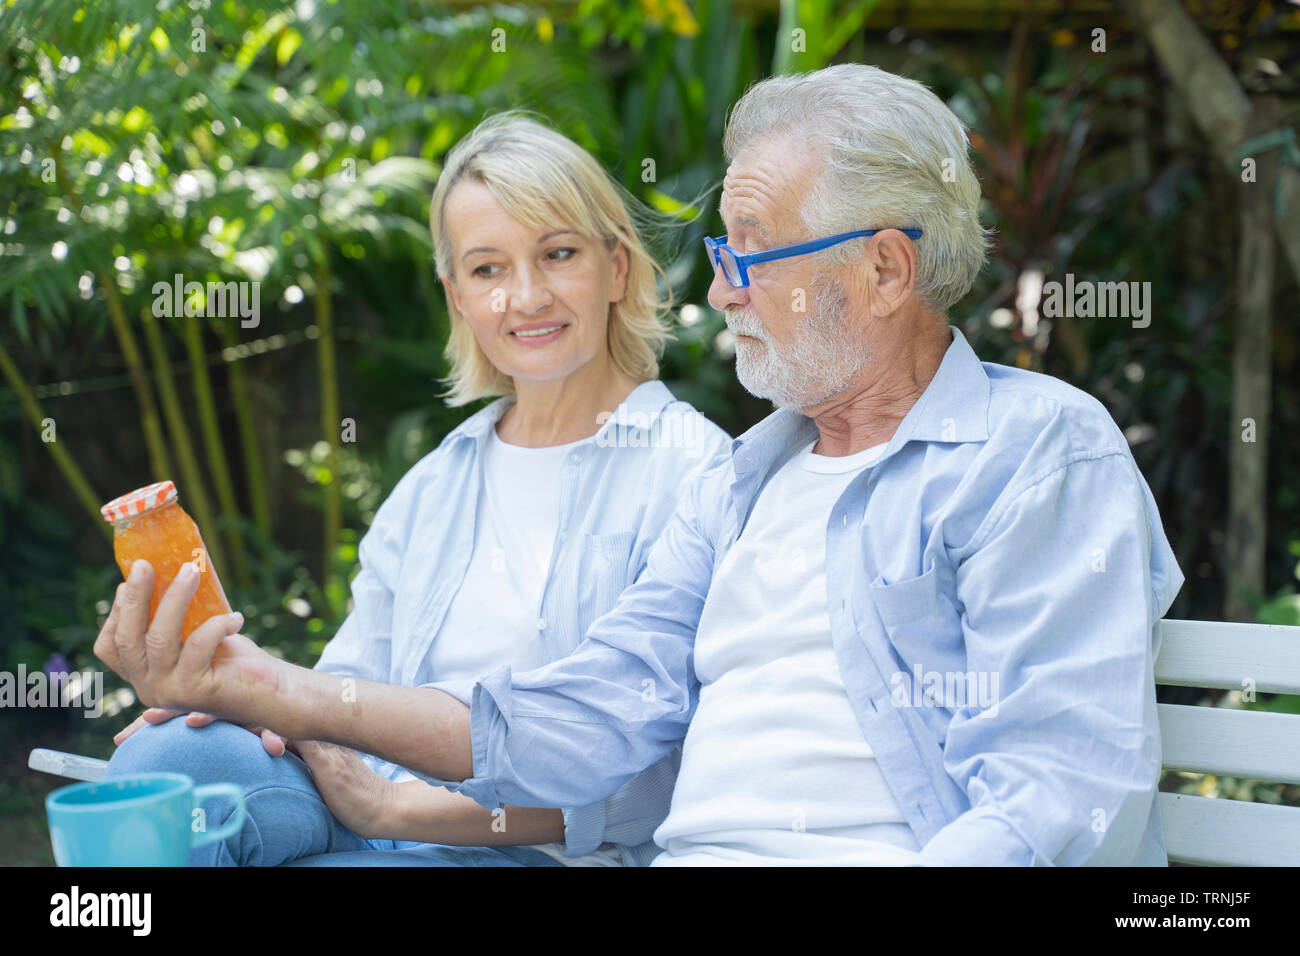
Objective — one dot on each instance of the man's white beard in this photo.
(820, 364)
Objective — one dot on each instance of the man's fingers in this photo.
(133, 621)
(199, 720)
(163, 640)
(160, 715)
(105, 648)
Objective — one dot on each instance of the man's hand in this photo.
(271, 741)
(216, 671)
(361, 799)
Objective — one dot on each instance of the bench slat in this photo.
(1215, 832)
(1213, 654)
(1236, 743)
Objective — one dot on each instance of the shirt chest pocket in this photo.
(605, 569)
(921, 621)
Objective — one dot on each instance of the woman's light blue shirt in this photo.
(617, 493)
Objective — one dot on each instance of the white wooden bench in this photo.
(1254, 745)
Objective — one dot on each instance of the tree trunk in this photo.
(1216, 102)
(193, 494)
(159, 460)
(1252, 392)
(249, 444)
(151, 427)
(218, 466)
(329, 413)
(62, 457)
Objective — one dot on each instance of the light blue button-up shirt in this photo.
(1005, 536)
(617, 493)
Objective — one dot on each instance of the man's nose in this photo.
(722, 294)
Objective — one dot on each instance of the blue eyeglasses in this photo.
(735, 266)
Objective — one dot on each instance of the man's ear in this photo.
(893, 276)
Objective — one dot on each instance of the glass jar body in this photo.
(167, 537)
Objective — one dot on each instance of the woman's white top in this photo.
(492, 620)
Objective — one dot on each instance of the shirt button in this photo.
(541, 623)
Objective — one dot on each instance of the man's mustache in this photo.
(746, 323)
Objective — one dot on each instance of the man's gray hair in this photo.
(896, 156)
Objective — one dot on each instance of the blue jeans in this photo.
(287, 820)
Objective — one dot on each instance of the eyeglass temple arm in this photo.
(817, 245)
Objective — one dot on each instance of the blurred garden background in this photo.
(296, 145)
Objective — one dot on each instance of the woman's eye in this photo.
(569, 253)
(482, 274)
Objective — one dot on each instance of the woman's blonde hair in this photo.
(537, 175)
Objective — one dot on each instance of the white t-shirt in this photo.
(775, 769)
(492, 620)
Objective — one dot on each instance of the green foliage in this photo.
(258, 142)
(1284, 607)
(295, 144)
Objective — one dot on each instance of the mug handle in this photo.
(233, 825)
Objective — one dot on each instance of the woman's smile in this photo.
(539, 333)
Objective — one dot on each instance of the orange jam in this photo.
(148, 523)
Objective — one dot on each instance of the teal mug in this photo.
(144, 819)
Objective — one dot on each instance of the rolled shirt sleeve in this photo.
(1060, 604)
(628, 816)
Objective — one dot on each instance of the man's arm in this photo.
(576, 730)
(565, 734)
(1059, 606)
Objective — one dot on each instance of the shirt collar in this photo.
(954, 407)
(640, 409)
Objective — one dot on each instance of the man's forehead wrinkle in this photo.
(750, 194)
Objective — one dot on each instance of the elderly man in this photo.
(909, 622)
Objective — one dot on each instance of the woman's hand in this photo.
(363, 801)
(216, 671)
(374, 807)
(271, 741)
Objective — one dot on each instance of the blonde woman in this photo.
(502, 545)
